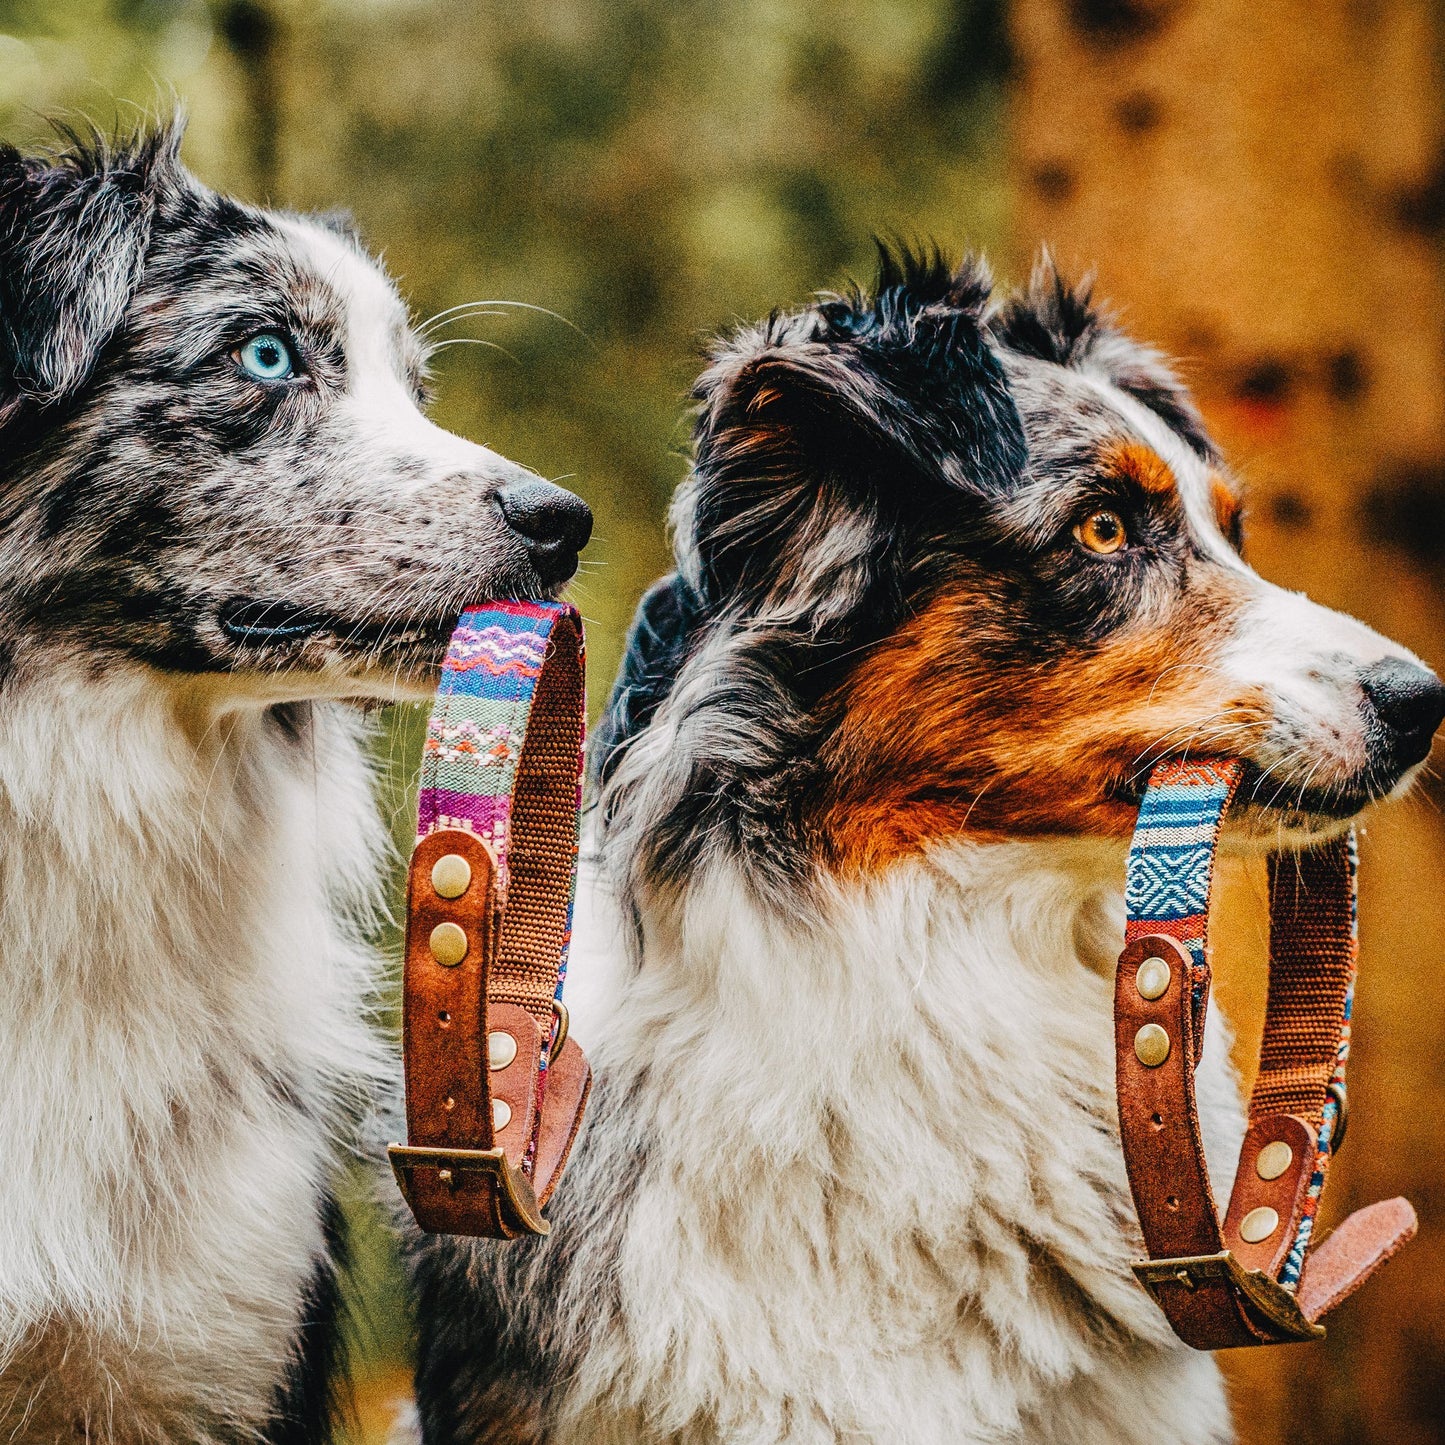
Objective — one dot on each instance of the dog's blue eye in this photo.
(267, 357)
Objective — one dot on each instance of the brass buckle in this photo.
(515, 1195)
(1265, 1296)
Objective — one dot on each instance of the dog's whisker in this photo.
(514, 305)
(474, 341)
(463, 314)
(1206, 667)
(1205, 732)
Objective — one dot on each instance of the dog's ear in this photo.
(1055, 321)
(74, 229)
(662, 633)
(819, 427)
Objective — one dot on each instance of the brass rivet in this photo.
(1151, 1046)
(501, 1115)
(451, 875)
(1152, 980)
(1258, 1225)
(1273, 1160)
(448, 944)
(501, 1049)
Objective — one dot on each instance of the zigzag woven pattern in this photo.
(1171, 860)
(471, 761)
(474, 736)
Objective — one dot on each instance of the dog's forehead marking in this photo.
(376, 320)
(381, 357)
(1194, 479)
(1139, 462)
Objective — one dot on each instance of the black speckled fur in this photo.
(311, 1396)
(150, 489)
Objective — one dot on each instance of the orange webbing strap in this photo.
(494, 1088)
(1252, 1278)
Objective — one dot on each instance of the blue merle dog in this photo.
(226, 527)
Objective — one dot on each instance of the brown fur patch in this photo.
(1141, 465)
(934, 744)
(1228, 509)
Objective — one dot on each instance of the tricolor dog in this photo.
(949, 579)
(224, 519)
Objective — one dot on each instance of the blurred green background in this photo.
(647, 170)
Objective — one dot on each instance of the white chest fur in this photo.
(880, 1194)
(182, 1040)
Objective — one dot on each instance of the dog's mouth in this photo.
(1300, 806)
(254, 623)
(1260, 788)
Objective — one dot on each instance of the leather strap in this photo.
(1250, 1279)
(495, 1091)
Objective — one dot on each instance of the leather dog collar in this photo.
(494, 1087)
(1252, 1279)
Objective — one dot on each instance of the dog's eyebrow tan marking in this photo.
(1228, 507)
(1140, 464)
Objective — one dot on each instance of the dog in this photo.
(226, 521)
(951, 574)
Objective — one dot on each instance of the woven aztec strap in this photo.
(1251, 1278)
(494, 1089)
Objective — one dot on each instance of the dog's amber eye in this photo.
(1102, 532)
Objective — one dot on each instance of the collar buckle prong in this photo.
(1276, 1306)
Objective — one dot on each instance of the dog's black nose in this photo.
(552, 523)
(1410, 701)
